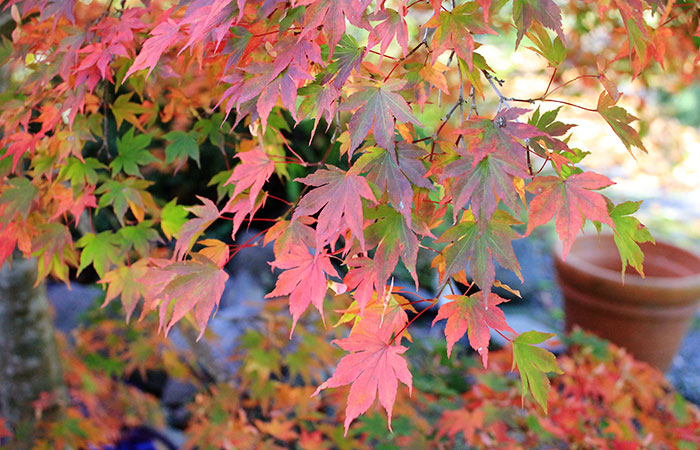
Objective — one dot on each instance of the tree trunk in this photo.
(29, 361)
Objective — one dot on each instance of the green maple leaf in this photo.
(81, 172)
(18, 198)
(133, 152)
(619, 119)
(629, 232)
(139, 236)
(181, 146)
(101, 250)
(172, 218)
(534, 363)
(121, 195)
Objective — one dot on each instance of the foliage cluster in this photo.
(605, 399)
(106, 95)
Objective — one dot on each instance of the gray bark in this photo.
(29, 360)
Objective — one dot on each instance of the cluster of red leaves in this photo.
(99, 405)
(605, 399)
(106, 96)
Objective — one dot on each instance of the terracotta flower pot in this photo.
(649, 316)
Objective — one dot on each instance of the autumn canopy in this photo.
(421, 149)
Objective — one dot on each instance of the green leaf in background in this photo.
(81, 172)
(101, 250)
(139, 236)
(133, 152)
(181, 146)
(172, 218)
(534, 363)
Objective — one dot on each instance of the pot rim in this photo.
(631, 279)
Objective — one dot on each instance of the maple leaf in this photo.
(533, 363)
(500, 135)
(129, 193)
(172, 218)
(284, 431)
(372, 367)
(162, 36)
(122, 282)
(619, 121)
(181, 145)
(393, 175)
(483, 185)
(216, 251)
(362, 277)
(286, 234)
(628, 234)
(101, 250)
(20, 143)
(377, 107)
(454, 30)
(460, 420)
(304, 279)
(394, 238)
(331, 15)
(206, 215)
(471, 313)
(132, 153)
(392, 25)
(385, 316)
(546, 12)
(80, 172)
(139, 237)
(18, 198)
(53, 248)
(123, 110)
(196, 285)
(573, 201)
(253, 172)
(479, 247)
(338, 195)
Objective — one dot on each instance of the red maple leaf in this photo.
(331, 15)
(206, 215)
(471, 313)
(546, 12)
(372, 367)
(500, 135)
(395, 175)
(19, 144)
(377, 107)
(483, 185)
(572, 200)
(253, 172)
(363, 277)
(338, 196)
(162, 36)
(393, 25)
(304, 279)
(454, 421)
(286, 234)
(195, 285)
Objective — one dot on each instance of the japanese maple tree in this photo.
(107, 95)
